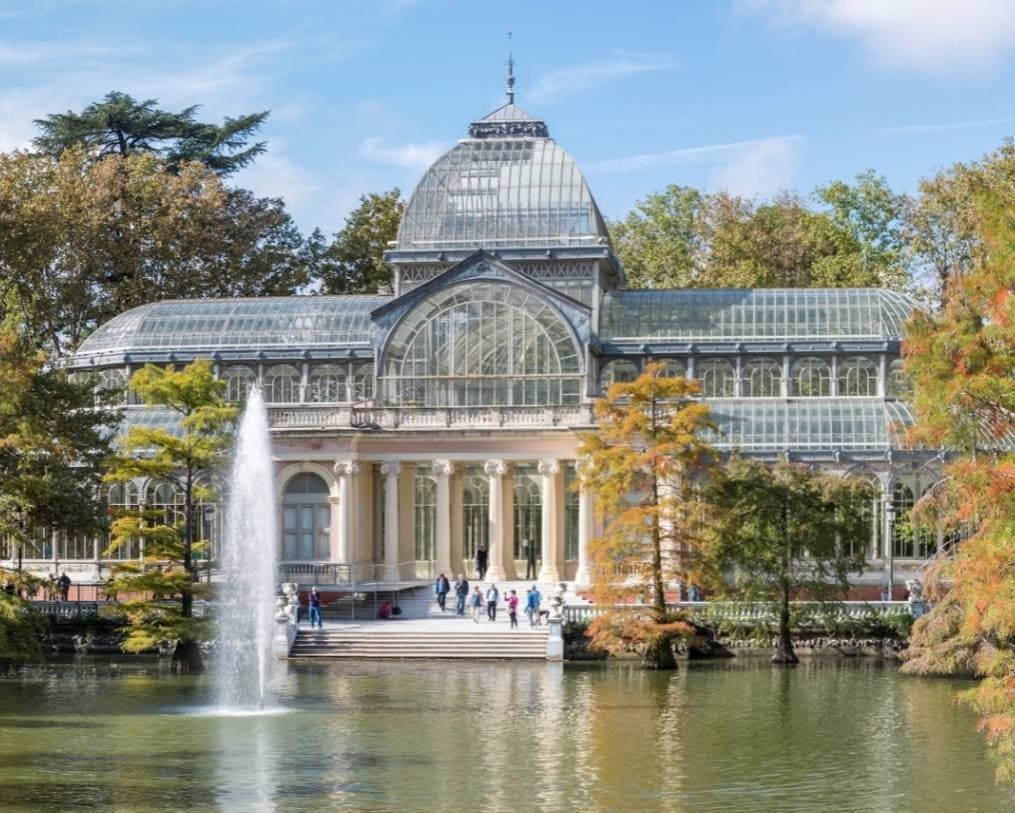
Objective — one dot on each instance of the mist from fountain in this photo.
(247, 566)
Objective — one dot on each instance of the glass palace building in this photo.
(412, 427)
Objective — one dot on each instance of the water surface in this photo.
(826, 736)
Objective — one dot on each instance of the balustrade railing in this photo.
(353, 575)
(376, 418)
(759, 612)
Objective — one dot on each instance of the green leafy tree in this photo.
(961, 360)
(54, 442)
(645, 465)
(81, 240)
(121, 125)
(166, 583)
(784, 532)
(354, 262)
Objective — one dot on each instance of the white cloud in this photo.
(762, 168)
(922, 129)
(582, 77)
(276, 175)
(415, 156)
(932, 36)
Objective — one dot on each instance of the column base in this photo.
(548, 575)
(583, 577)
(495, 574)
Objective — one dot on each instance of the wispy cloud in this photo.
(929, 36)
(582, 77)
(415, 156)
(686, 156)
(922, 129)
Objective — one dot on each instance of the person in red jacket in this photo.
(512, 608)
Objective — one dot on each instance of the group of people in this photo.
(476, 600)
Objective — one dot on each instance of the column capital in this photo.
(495, 467)
(345, 468)
(391, 468)
(443, 468)
(548, 467)
(583, 467)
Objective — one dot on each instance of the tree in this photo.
(121, 125)
(645, 465)
(961, 360)
(54, 441)
(354, 262)
(683, 238)
(166, 583)
(81, 240)
(783, 532)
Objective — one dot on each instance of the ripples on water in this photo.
(826, 736)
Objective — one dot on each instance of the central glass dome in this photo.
(509, 186)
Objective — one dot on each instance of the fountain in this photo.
(246, 592)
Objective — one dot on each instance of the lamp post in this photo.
(890, 545)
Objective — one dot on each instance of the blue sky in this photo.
(749, 95)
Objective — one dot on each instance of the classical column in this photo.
(495, 470)
(345, 470)
(390, 470)
(548, 574)
(583, 574)
(443, 469)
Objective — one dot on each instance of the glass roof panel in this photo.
(755, 314)
(296, 322)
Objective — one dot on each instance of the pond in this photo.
(743, 736)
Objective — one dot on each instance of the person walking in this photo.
(441, 588)
(512, 608)
(476, 603)
(314, 600)
(64, 582)
(461, 593)
(492, 597)
(533, 598)
(530, 558)
(482, 559)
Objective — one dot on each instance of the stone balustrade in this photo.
(755, 611)
(297, 417)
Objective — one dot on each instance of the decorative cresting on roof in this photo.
(191, 326)
(762, 314)
(509, 121)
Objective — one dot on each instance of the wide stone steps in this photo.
(494, 644)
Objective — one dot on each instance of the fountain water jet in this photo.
(247, 564)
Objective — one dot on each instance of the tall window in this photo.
(122, 496)
(858, 375)
(673, 368)
(328, 384)
(811, 378)
(239, 380)
(475, 512)
(717, 377)
(908, 540)
(482, 343)
(363, 381)
(528, 511)
(282, 384)
(306, 518)
(898, 384)
(763, 378)
(570, 513)
(425, 508)
(618, 371)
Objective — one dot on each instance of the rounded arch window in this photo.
(898, 383)
(111, 387)
(328, 384)
(528, 499)
(475, 513)
(812, 378)
(122, 497)
(482, 343)
(363, 381)
(763, 378)
(306, 512)
(717, 378)
(673, 368)
(858, 375)
(238, 380)
(618, 371)
(282, 384)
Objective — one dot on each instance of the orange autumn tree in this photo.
(962, 363)
(644, 466)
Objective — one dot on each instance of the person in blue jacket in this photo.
(441, 588)
(533, 598)
(314, 600)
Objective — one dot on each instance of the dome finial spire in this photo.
(510, 73)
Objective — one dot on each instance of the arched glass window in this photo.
(872, 512)
(363, 381)
(111, 387)
(528, 512)
(910, 541)
(282, 384)
(121, 497)
(475, 513)
(618, 371)
(811, 378)
(239, 380)
(763, 378)
(898, 384)
(674, 368)
(306, 513)
(482, 343)
(328, 384)
(858, 375)
(717, 377)
(425, 510)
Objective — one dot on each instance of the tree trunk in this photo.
(659, 654)
(187, 658)
(784, 653)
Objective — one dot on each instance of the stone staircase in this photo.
(425, 640)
